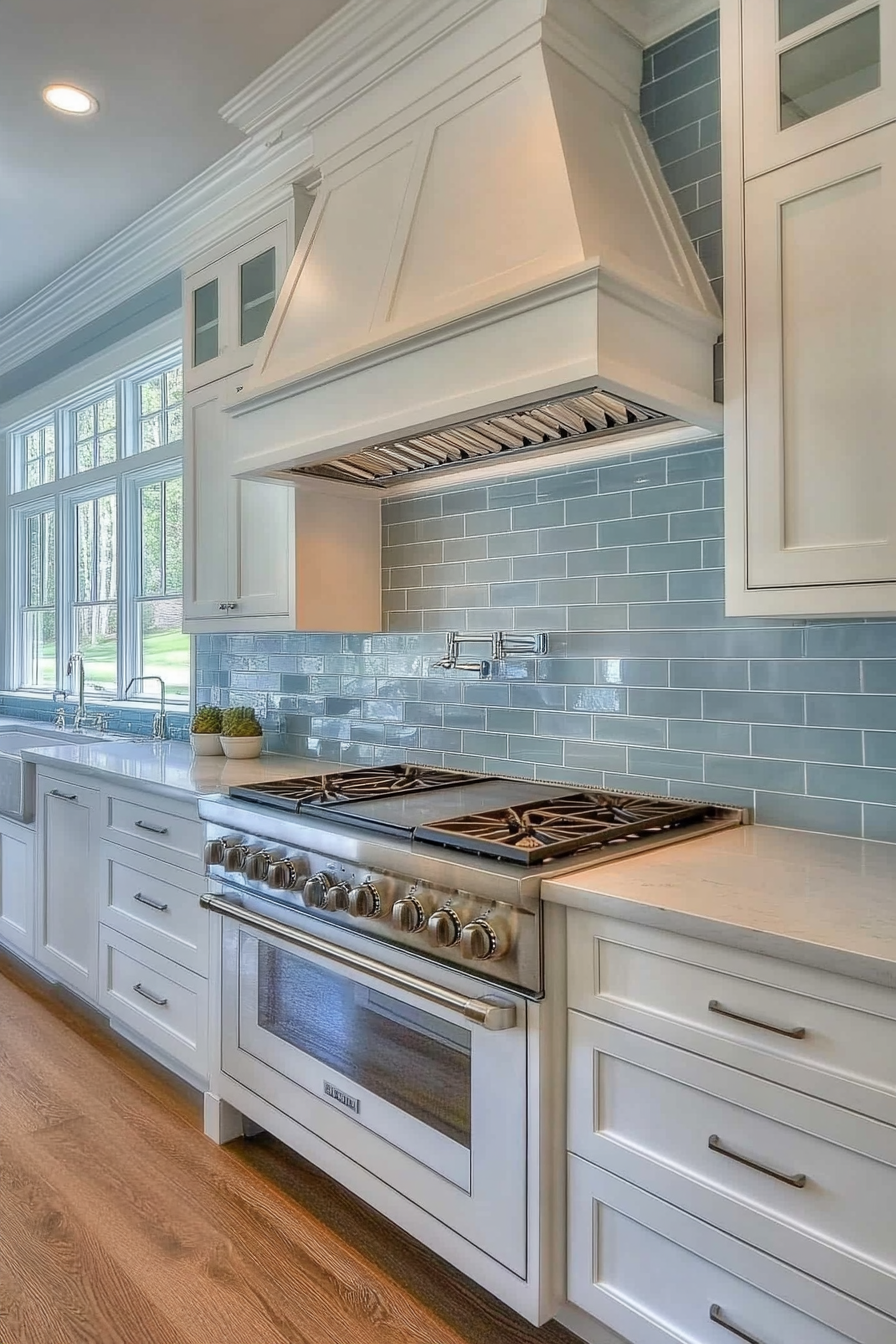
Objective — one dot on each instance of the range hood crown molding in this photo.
(491, 232)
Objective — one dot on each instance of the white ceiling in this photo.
(160, 69)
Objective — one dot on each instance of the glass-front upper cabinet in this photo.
(815, 73)
(229, 297)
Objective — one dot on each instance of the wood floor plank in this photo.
(168, 1239)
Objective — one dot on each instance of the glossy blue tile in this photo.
(568, 591)
(754, 706)
(852, 711)
(665, 704)
(641, 732)
(795, 811)
(513, 543)
(756, 772)
(604, 616)
(594, 756)
(665, 764)
(703, 524)
(878, 676)
(643, 531)
(537, 566)
(632, 672)
(489, 523)
(579, 537)
(710, 735)
(599, 508)
(668, 498)
(879, 822)
(569, 485)
(639, 472)
(463, 716)
(804, 674)
(665, 556)
(676, 615)
(697, 585)
(837, 745)
(528, 695)
(544, 750)
(709, 674)
(538, 515)
(699, 465)
(597, 699)
(863, 783)
(519, 721)
(611, 561)
(851, 639)
(440, 739)
(880, 750)
(566, 670)
(551, 724)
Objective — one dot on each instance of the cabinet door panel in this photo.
(209, 498)
(815, 73)
(820, 335)
(17, 889)
(264, 549)
(67, 890)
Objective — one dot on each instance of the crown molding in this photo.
(363, 43)
(652, 21)
(246, 183)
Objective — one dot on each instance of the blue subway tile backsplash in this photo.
(648, 687)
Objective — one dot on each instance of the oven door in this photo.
(387, 1068)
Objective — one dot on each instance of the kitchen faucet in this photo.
(81, 712)
(160, 722)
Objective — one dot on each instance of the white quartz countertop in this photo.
(170, 767)
(822, 900)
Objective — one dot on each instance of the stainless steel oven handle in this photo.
(489, 1011)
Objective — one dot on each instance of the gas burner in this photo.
(346, 785)
(579, 821)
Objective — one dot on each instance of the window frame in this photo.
(124, 478)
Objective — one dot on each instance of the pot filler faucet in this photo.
(160, 722)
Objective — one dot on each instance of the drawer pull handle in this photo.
(69, 797)
(715, 1315)
(156, 830)
(716, 1145)
(150, 901)
(795, 1033)
(148, 994)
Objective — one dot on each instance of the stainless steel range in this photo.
(382, 986)
(446, 864)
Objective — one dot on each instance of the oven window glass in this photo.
(407, 1057)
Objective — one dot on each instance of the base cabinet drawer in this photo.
(658, 1276)
(155, 831)
(804, 1028)
(805, 1181)
(156, 998)
(157, 905)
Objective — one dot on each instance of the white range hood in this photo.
(490, 232)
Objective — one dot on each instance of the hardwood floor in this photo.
(120, 1223)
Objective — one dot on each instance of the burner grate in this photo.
(347, 785)
(545, 830)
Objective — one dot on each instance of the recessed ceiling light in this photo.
(68, 98)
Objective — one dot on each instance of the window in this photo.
(40, 455)
(160, 409)
(39, 610)
(96, 525)
(95, 434)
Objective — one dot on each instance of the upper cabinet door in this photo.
(820, 287)
(815, 73)
(228, 300)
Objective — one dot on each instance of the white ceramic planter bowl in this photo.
(206, 744)
(241, 748)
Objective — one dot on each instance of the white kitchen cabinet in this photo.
(66, 825)
(731, 1140)
(263, 556)
(17, 886)
(815, 73)
(229, 296)
(810, 335)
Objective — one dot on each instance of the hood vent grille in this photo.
(561, 423)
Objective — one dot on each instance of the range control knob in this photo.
(364, 902)
(258, 865)
(214, 852)
(235, 858)
(444, 928)
(283, 875)
(479, 942)
(408, 915)
(339, 894)
(316, 891)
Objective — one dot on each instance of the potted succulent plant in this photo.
(205, 731)
(240, 733)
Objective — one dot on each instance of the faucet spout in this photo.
(160, 722)
(77, 660)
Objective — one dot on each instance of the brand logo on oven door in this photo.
(350, 1103)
